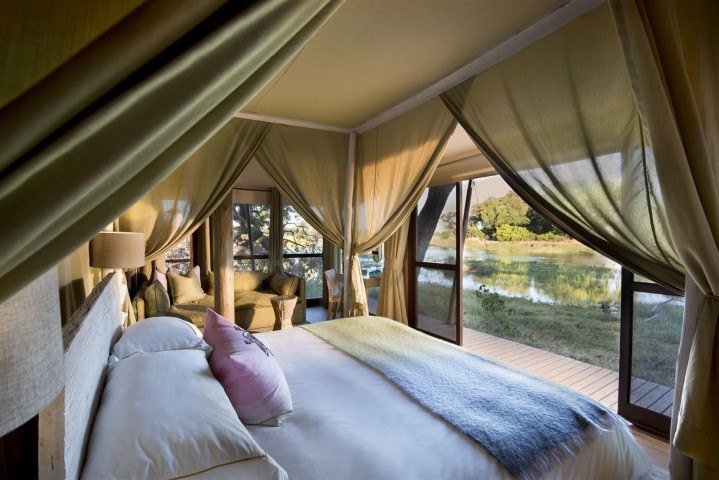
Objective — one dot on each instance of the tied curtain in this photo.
(559, 123)
(309, 167)
(392, 301)
(118, 102)
(394, 163)
(185, 199)
(671, 49)
(393, 166)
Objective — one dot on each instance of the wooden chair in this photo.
(334, 293)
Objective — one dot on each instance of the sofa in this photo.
(253, 306)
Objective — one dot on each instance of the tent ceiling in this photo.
(372, 54)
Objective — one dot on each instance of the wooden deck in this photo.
(596, 382)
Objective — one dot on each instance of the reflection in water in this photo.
(564, 278)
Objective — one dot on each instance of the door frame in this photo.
(643, 417)
(457, 268)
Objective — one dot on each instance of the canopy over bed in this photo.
(601, 116)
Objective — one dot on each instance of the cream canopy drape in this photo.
(559, 123)
(392, 302)
(181, 202)
(82, 143)
(394, 165)
(309, 167)
(671, 49)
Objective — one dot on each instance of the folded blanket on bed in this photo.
(528, 424)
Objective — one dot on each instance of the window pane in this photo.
(655, 342)
(251, 229)
(298, 236)
(308, 268)
(372, 264)
(257, 265)
(435, 308)
(437, 225)
(179, 256)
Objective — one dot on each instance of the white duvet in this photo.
(350, 422)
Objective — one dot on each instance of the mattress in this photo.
(350, 422)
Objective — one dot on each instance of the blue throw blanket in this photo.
(528, 424)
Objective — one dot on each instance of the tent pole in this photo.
(349, 217)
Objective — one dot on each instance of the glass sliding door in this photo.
(650, 333)
(302, 253)
(436, 296)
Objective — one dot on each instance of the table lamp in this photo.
(117, 250)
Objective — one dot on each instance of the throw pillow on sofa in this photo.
(284, 284)
(157, 301)
(186, 288)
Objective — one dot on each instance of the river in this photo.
(567, 278)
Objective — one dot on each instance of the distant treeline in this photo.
(506, 219)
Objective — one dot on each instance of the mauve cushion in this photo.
(248, 371)
(160, 277)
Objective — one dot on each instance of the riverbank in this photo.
(533, 247)
(587, 333)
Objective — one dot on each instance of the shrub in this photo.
(512, 233)
(473, 231)
(551, 237)
(495, 305)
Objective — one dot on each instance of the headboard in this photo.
(64, 426)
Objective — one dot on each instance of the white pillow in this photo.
(158, 334)
(165, 416)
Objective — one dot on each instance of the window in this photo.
(302, 251)
(251, 236)
(180, 256)
(651, 329)
(372, 264)
(436, 297)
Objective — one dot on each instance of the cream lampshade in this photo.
(117, 250)
(32, 371)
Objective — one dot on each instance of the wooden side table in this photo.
(283, 306)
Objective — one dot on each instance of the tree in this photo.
(537, 223)
(507, 210)
(450, 223)
(428, 217)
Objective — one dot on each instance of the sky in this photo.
(484, 188)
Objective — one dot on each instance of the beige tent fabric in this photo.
(559, 123)
(185, 199)
(672, 52)
(392, 303)
(86, 141)
(394, 164)
(309, 167)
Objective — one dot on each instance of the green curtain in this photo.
(185, 199)
(671, 49)
(559, 123)
(89, 138)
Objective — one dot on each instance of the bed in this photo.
(349, 421)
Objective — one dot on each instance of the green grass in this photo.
(531, 247)
(589, 333)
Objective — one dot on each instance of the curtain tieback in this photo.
(394, 265)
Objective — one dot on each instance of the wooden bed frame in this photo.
(65, 425)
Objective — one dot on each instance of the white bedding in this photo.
(350, 422)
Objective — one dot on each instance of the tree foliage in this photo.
(509, 219)
(507, 210)
(512, 233)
